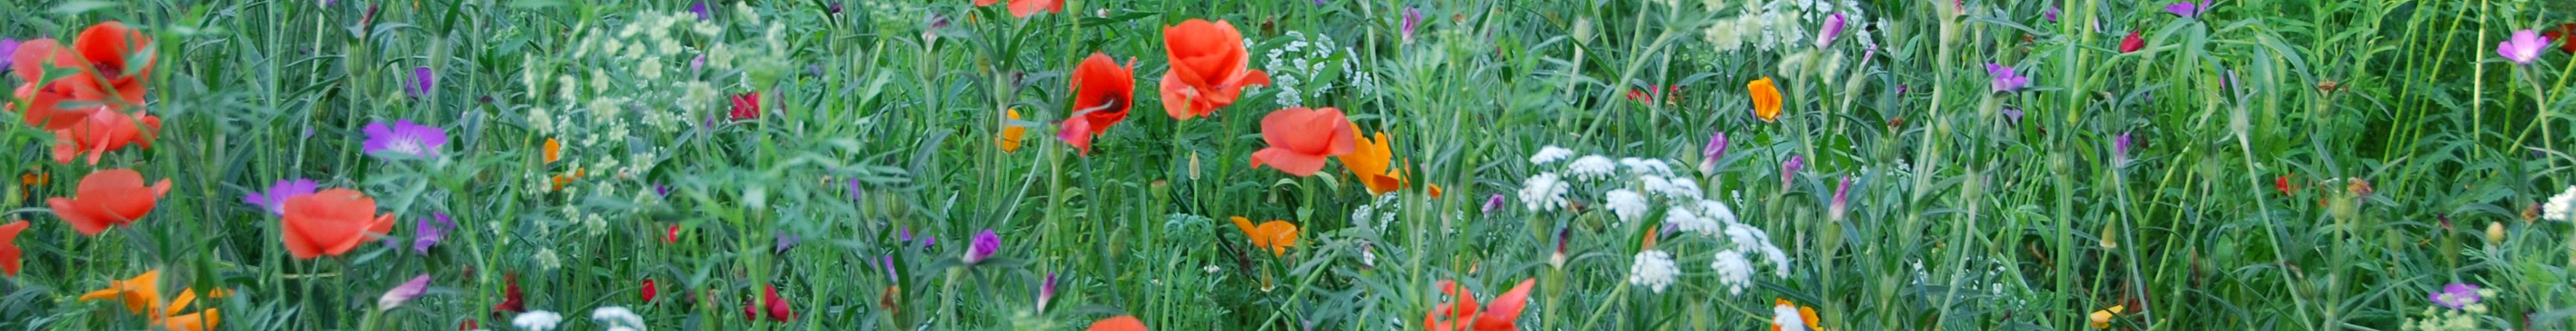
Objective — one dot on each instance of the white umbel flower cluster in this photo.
(1733, 271)
(1653, 269)
(1543, 192)
(2561, 207)
(1591, 167)
(1627, 204)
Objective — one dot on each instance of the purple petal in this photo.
(986, 243)
(786, 241)
(701, 9)
(2013, 114)
(408, 290)
(2051, 14)
(1833, 28)
(429, 232)
(422, 81)
(7, 47)
(1493, 203)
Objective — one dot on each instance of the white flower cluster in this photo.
(1298, 68)
(1376, 215)
(1979, 274)
(1653, 269)
(1636, 192)
(1764, 25)
(2561, 207)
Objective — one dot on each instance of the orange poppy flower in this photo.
(1102, 93)
(566, 178)
(1119, 323)
(9, 253)
(1209, 68)
(1806, 316)
(553, 150)
(1024, 8)
(1009, 140)
(108, 198)
(331, 222)
(1300, 138)
(1502, 315)
(106, 78)
(1766, 99)
(138, 293)
(1369, 163)
(1435, 191)
(200, 321)
(1275, 235)
(104, 131)
(2101, 319)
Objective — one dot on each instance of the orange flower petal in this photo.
(1119, 323)
(1766, 99)
(9, 253)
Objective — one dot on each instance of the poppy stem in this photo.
(1616, 296)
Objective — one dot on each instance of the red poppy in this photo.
(2282, 183)
(778, 310)
(673, 235)
(9, 246)
(1209, 68)
(109, 198)
(650, 290)
(2133, 43)
(1024, 8)
(512, 300)
(468, 325)
(746, 106)
(106, 77)
(1102, 93)
(331, 222)
(1118, 323)
(1502, 315)
(2561, 35)
(1300, 138)
(105, 131)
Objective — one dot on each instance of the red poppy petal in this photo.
(1287, 161)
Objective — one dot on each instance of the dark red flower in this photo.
(746, 106)
(2133, 43)
(2282, 183)
(468, 325)
(1102, 93)
(672, 236)
(649, 290)
(511, 297)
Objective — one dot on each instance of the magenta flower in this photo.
(404, 137)
(274, 200)
(2051, 14)
(2005, 79)
(852, 187)
(1833, 29)
(1493, 203)
(7, 46)
(1046, 291)
(2457, 296)
(786, 241)
(1708, 155)
(2524, 47)
(2013, 114)
(429, 232)
(2120, 150)
(1412, 18)
(701, 9)
(2188, 9)
(1789, 170)
(1841, 203)
(891, 277)
(986, 243)
(422, 81)
(405, 292)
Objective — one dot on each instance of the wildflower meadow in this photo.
(1430, 165)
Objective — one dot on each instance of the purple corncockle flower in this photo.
(927, 241)
(785, 241)
(2005, 79)
(1789, 170)
(1319, 2)
(986, 243)
(2524, 48)
(1564, 235)
(404, 137)
(2013, 114)
(1708, 155)
(274, 199)
(1046, 291)
(2120, 150)
(1833, 29)
(2457, 296)
(701, 9)
(405, 292)
(663, 190)
(429, 232)
(1842, 203)
(7, 46)
(2051, 14)
(698, 64)
(891, 277)
(834, 8)
(2188, 9)
(1493, 203)
(852, 186)
(422, 81)
(1412, 19)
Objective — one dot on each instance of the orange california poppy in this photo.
(1369, 163)
(2101, 319)
(1766, 99)
(1435, 191)
(1102, 93)
(1209, 68)
(1300, 138)
(105, 77)
(1806, 315)
(331, 222)
(1024, 8)
(1502, 315)
(200, 321)
(105, 131)
(1009, 140)
(138, 293)
(9, 246)
(567, 178)
(1119, 323)
(188, 296)
(554, 151)
(108, 198)
(1275, 235)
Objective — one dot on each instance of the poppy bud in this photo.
(2495, 233)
